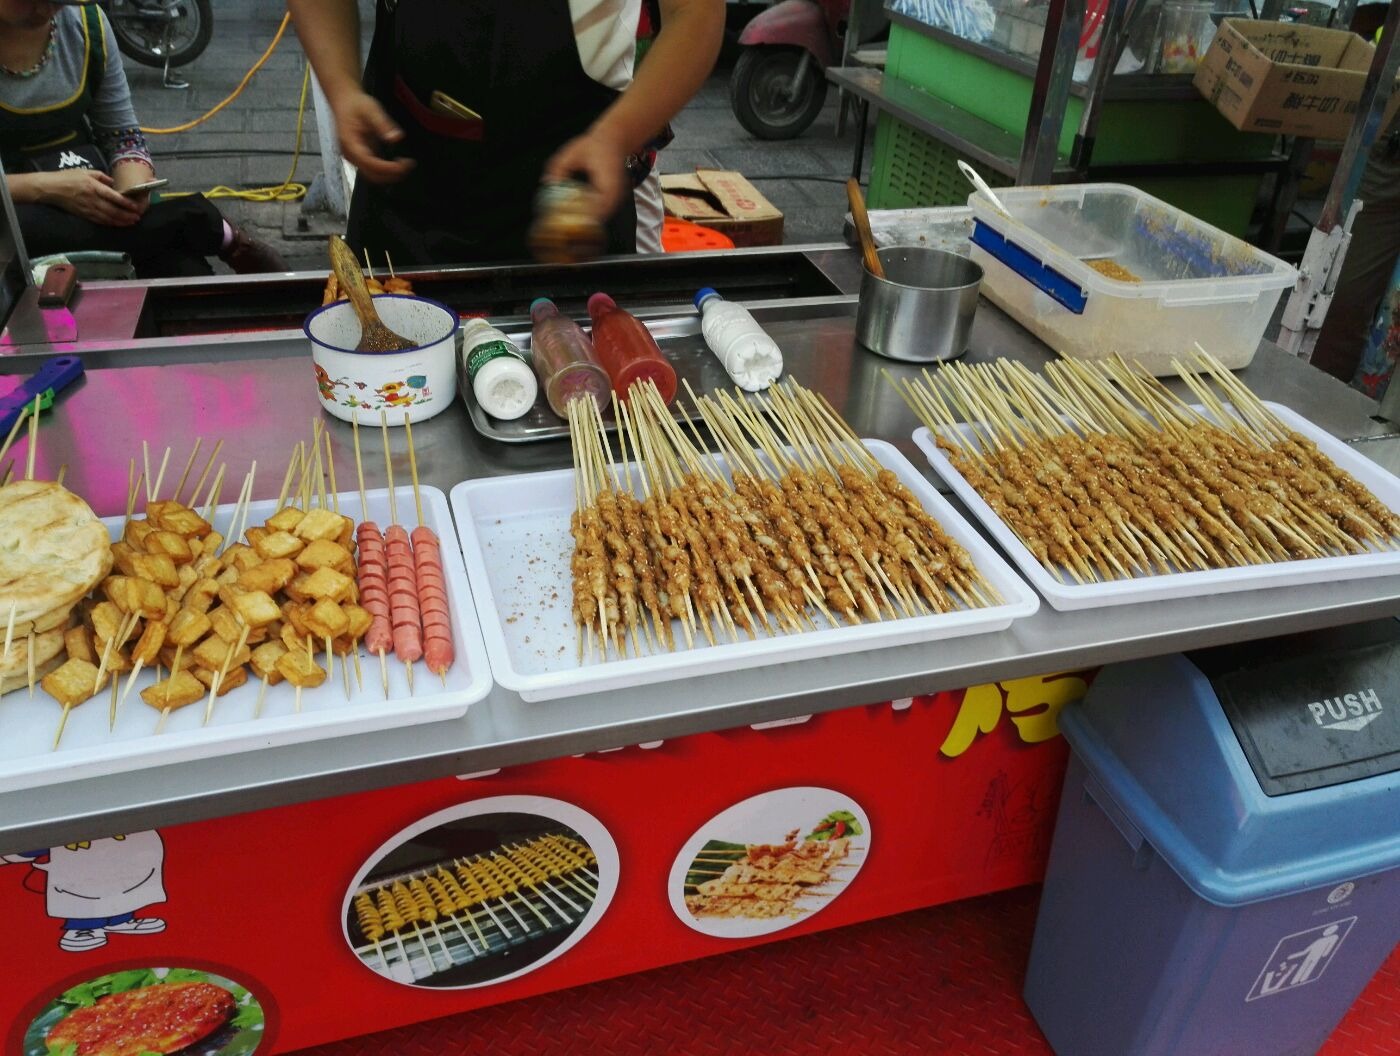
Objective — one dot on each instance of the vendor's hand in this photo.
(598, 159)
(364, 128)
(89, 194)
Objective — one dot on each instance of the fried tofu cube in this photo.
(286, 519)
(300, 670)
(118, 660)
(72, 682)
(122, 553)
(213, 542)
(176, 517)
(327, 620)
(290, 638)
(265, 659)
(117, 590)
(360, 620)
(157, 568)
(295, 612)
(228, 576)
(295, 588)
(346, 538)
(230, 680)
(328, 583)
(176, 547)
(77, 642)
(268, 577)
(209, 565)
(323, 553)
(228, 593)
(147, 598)
(147, 647)
(257, 608)
(214, 652)
(179, 690)
(321, 524)
(279, 544)
(188, 578)
(254, 534)
(169, 654)
(188, 627)
(107, 620)
(135, 534)
(241, 556)
(225, 623)
(200, 597)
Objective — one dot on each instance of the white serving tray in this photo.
(27, 724)
(516, 541)
(1196, 583)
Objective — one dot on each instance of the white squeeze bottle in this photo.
(501, 378)
(751, 358)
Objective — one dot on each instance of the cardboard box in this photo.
(1286, 79)
(726, 202)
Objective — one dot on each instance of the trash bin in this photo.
(1225, 873)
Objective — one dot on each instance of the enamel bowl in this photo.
(358, 385)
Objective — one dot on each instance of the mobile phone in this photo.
(442, 103)
(142, 188)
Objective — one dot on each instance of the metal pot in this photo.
(922, 310)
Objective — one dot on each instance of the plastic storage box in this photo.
(1101, 268)
(1225, 873)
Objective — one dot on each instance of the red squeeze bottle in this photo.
(627, 350)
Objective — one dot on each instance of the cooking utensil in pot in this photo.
(861, 219)
(374, 335)
(921, 310)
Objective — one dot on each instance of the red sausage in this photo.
(407, 626)
(373, 569)
(437, 628)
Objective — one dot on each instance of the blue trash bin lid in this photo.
(1158, 741)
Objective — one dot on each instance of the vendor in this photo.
(71, 144)
(551, 83)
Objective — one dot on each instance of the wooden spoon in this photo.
(862, 221)
(374, 335)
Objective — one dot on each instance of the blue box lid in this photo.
(1154, 734)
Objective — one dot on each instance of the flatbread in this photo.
(21, 680)
(16, 661)
(53, 550)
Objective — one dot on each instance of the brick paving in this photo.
(250, 143)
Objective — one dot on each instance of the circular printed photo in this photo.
(770, 861)
(481, 892)
(149, 1012)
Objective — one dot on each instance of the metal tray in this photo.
(678, 335)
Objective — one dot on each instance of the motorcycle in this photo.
(778, 84)
(162, 33)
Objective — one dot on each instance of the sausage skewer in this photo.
(373, 573)
(432, 588)
(404, 611)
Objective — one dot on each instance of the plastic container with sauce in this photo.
(627, 350)
(563, 359)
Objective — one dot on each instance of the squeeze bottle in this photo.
(564, 360)
(751, 358)
(501, 378)
(627, 350)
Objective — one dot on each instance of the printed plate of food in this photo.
(769, 862)
(149, 1012)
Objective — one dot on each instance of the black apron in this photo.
(49, 139)
(470, 200)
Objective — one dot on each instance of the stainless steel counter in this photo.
(262, 405)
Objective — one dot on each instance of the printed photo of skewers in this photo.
(769, 862)
(1105, 474)
(481, 895)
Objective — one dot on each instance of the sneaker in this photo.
(247, 256)
(146, 926)
(80, 940)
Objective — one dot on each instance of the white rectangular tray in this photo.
(1067, 597)
(516, 541)
(27, 724)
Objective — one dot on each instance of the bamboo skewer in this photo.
(30, 454)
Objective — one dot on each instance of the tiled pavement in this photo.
(249, 144)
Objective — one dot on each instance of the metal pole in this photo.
(1113, 39)
(1050, 93)
(1307, 305)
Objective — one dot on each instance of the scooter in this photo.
(779, 82)
(162, 33)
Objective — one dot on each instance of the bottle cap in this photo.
(704, 294)
(539, 301)
(599, 301)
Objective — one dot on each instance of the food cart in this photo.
(936, 762)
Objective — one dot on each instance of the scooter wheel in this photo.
(761, 95)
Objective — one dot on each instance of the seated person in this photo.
(70, 144)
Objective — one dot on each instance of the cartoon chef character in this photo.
(96, 887)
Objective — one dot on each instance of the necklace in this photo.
(43, 59)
